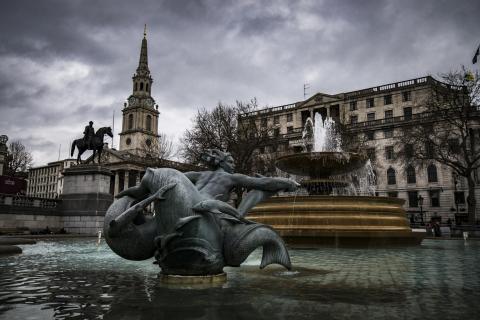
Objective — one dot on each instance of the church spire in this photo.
(143, 62)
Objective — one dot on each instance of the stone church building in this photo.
(139, 134)
(138, 138)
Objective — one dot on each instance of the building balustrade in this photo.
(421, 117)
(25, 201)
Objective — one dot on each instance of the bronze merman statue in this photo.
(194, 230)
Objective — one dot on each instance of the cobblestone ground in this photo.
(75, 279)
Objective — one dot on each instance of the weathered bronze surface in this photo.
(195, 231)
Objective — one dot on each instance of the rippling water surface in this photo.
(75, 279)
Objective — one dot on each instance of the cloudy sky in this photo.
(63, 63)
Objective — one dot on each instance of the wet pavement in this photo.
(76, 279)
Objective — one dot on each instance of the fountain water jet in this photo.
(340, 207)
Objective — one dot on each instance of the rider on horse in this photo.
(89, 132)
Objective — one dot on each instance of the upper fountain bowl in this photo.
(320, 164)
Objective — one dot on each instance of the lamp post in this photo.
(455, 196)
(420, 202)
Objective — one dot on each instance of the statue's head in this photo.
(91, 123)
(219, 159)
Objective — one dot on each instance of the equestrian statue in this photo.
(195, 231)
(91, 141)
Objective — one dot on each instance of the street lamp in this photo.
(420, 202)
(455, 196)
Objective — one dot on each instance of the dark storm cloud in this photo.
(63, 63)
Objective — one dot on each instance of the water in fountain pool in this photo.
(75, 279)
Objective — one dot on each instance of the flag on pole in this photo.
(474, 60)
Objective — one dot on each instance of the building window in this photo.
(388, 133)
(262, 150)
(435, 198)
(389, 153)
(391, 178)
(388, 114)
(146, 87)
(335, 111)
(263, 122)
(406, 96)
(136, 86)
(149, 123)
(353, 105)
(276, 132)
(432, 173)
(407, 113)
(371, 116)
(459, 197)
(392, 194)
(353, 119)
(413, 199)
(370, 135)
(290, 129)
(370, 103)
(289, 117)
(141, 85)
(453, 145)
(411, 178)
(128, 141)
(429, 149)
(130, 121)
(371, 154)
(276, 119)
(409, 151)
(387, 99)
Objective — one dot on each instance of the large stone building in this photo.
(376, 115)
(47, 181)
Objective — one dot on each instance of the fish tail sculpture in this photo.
(244, 239)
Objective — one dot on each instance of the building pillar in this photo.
(137, 182)
(116, 190)
(125, 180)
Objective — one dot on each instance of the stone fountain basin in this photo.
(320, 164)
(311, 221)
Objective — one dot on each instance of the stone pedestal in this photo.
(85, 198)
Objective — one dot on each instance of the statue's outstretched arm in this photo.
(264, 183)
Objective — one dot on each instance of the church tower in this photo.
(140, 114)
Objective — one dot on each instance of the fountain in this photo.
(340, 206)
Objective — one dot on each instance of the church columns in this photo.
(125, 179)
(137, 182)
(117, 178)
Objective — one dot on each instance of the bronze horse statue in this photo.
(96, 144)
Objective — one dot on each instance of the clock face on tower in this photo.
(149, 102)
(131, 100)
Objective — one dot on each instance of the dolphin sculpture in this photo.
(189, 234)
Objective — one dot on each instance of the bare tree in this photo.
(448, 131)
(162, 147)
(18, 158)
(230, 128)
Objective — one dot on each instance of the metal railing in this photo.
(25, 201)
(269, 110)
